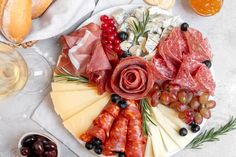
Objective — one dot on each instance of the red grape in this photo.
(182, 96)
(194, 103)
(181, 115)
(174, 88)
(204, 98)
(181, 107)
(188, 113)
(173, 97)
(165, 86)
(165, 98)
(205, 113)
(104, 18)
(189, 120)
(198, 118)
(211, 104)
(174, 104)
(189, 97)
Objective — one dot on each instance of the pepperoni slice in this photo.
(132, 111)
(97, 132)
(117, 139)
(112, 109)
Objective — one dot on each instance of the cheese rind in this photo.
(65, 86)
(80, 122)
(67, 104)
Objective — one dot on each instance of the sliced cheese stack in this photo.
(165, 135)
(77, 104)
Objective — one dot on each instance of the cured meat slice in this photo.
(104, 121)
(117, 139)
(136, 142)
(113, 109)
(132, 111)
(205, 80)
(198, 46)
(94, 131)
(132, 78)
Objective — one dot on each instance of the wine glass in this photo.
(29, 72)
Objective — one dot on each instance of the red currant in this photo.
(111, 37)
(113, 28)
(104, 35)
(117, 41)
(111, 22)
(117, 48)
(104, 18)
(109, 30)
(104, 26)
(109, 46)
(104, 42)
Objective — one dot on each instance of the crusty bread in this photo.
(164, 4)
(16, 21)
(2, 6)
(39, 7)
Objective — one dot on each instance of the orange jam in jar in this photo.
(206, 7)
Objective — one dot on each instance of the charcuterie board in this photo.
(134, 81)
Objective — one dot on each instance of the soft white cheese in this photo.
(125, 45)
(120, 15)
(136, 50)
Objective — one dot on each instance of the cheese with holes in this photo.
(70, 86)
(80, 122)
(170, 128)
(66, 104)
(157, 142)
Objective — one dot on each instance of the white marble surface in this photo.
(221, 31)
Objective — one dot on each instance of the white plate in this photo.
(96, 19)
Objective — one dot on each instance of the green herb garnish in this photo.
(213, 134)
(139, 27)
(146, 116)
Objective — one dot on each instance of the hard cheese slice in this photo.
(149, 150)
(173, 117)
(67, 104)
(157, 142)
(79, 123)
(170, 145)
(70, 86)
(170, 128)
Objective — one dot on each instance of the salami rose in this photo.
(132, 78)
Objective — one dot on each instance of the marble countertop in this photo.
(220, 29)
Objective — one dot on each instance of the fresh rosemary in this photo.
(72, 78)
(146, 116)
(139, 27)
(212, 134)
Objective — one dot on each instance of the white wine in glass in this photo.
(28, 71)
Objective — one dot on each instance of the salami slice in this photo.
(132, 111)
(104, 121)
(117, 139)
(94, 131)
(112, 109)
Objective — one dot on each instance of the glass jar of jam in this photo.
(206, 7)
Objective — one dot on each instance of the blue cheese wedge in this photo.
(125, 45)
(123, 27)
(152, 42)
(120, 15)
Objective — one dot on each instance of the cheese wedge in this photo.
(173, 117)
(157, 142)
(67, 104)
(170, 145)
(70, 86)
(79, 123)
(170, 128)
(149, 150)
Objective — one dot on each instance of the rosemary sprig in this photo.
(139, 27)
(80, 79)
(212, 134)
(146, 116)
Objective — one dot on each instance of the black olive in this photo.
(52, 153)
(89, 145)
(96, 142)
(28, 141)
(44, 140)
(207, 63)
(195, 128)
(50, 146)
(98, 150)
(121, 154)
(184, 27)
(123, 36)
(122, 104)
(25, 151)
(126, 54)
(38, 147)
(115, 98)
(183, 132)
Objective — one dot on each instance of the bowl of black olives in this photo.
(38, 145)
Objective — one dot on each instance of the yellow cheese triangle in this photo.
(70, 86)
(149, 150)
(68, 103)
(79, 123)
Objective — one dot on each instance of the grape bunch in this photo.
(192, 107)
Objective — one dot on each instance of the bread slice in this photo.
(39, 7)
